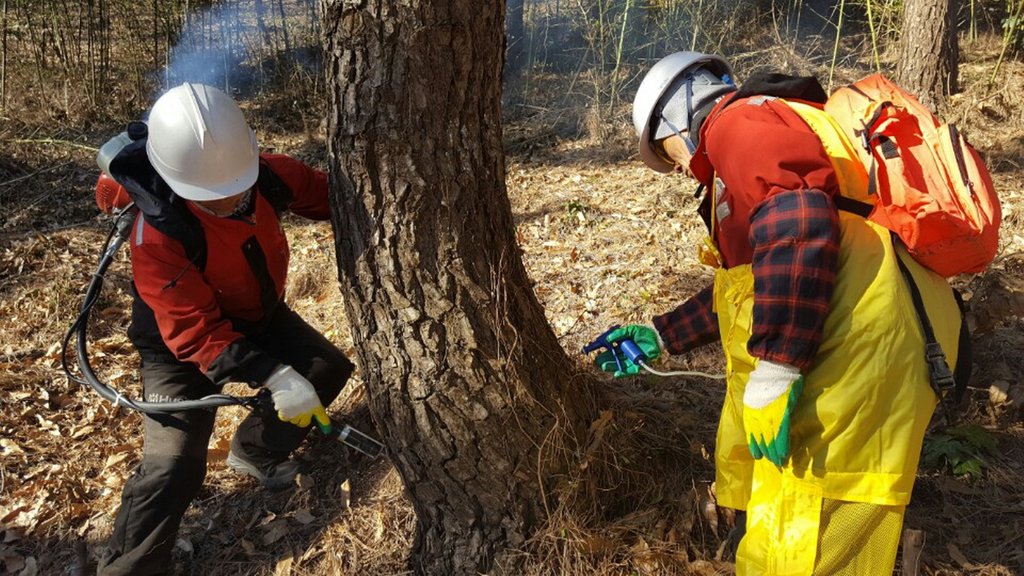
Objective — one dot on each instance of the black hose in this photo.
(119, 232)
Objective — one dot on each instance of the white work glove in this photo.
(295, 399)
(768, 402)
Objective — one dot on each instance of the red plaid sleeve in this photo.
(694, 323)
(795, 239)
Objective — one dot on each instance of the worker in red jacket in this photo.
(209, 266)
(828, 393)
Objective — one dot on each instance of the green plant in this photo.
(1013, 25)
(576, 210)
(960, 449)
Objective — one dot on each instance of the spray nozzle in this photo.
(626, 347)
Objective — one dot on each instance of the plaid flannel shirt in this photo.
(795, 241)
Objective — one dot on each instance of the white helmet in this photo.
(200, 143)
(672, 92)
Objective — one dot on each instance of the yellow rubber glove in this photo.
(295, 399)
(768, 402)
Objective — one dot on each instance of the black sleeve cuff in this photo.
(242, 361)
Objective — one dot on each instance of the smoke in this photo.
(207, 50)
(230, 46)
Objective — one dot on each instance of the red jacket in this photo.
(758, 147)
(774, 212)
(202, 313)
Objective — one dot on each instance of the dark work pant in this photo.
(174, 455)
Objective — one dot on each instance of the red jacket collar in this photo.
(700, 165)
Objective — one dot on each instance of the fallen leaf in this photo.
(958, 556)
(248, 547)
(275, 531)
(83, 431)
(599, 545)
(114, 459)
(709, 509)
(10, 446)
(346, 495)
(185, 545)
(13, 562)
(284, 566)
(998, 392)
(304, 516)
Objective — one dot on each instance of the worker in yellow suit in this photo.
(828, 391)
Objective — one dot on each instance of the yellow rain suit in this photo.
(858, 426)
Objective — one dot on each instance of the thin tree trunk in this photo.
(156, 34)
(468, 385)
(261, 25)
(284, 27)
(3, 59)
(515, 41)
(929, 51)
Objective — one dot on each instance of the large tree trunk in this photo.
(929, 51)
(468, 385)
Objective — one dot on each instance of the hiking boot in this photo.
(277, 477)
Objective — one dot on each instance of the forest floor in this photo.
(605, 240)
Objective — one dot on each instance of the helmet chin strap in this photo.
(690, 145)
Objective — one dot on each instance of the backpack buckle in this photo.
(938, 370)
(942, 381)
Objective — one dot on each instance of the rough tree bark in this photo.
(468, 385)
(929, 51)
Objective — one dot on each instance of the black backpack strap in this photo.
(273, 188)
(964, 354)
(161, 208)
(862, 209)
(940, 377)
(180, 223)
(806, 88)
(948, 386)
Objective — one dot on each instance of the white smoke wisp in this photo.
(210, 48)
(228, 45)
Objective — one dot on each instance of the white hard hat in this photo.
(200, 143)
(675, 88)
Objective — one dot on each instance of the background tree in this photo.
(468, 385)
(515, 39)
(929, 51)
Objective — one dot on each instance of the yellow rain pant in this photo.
(792, 529)
(858, 426)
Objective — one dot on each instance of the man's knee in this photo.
(330, 374)
(181, 475)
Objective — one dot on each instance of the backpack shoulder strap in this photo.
(161, 208)
(273, 188)
(806, 88)
(178, 222)
(942, 379)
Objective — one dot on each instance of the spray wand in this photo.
(628, 349)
